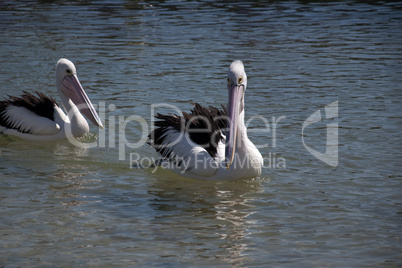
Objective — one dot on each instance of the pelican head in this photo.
(69, 86)
(237, 83)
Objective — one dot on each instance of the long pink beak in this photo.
(236, 93)
(72, 88)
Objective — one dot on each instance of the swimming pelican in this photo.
(39, 118)
(210, 143)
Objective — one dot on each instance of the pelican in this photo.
(210, 143)
(39, 118)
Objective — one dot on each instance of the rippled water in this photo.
(62, 205)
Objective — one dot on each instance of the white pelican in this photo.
(39, 118)
(210, 143)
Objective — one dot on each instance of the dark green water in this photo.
(61, 205)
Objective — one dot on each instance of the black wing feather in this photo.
(41, 105)
(212, 120)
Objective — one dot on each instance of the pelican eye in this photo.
(69, 72)
(240, 80)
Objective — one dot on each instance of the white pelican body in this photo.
(40, 119)
(209, 143)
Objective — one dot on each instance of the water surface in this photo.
(62, 205)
